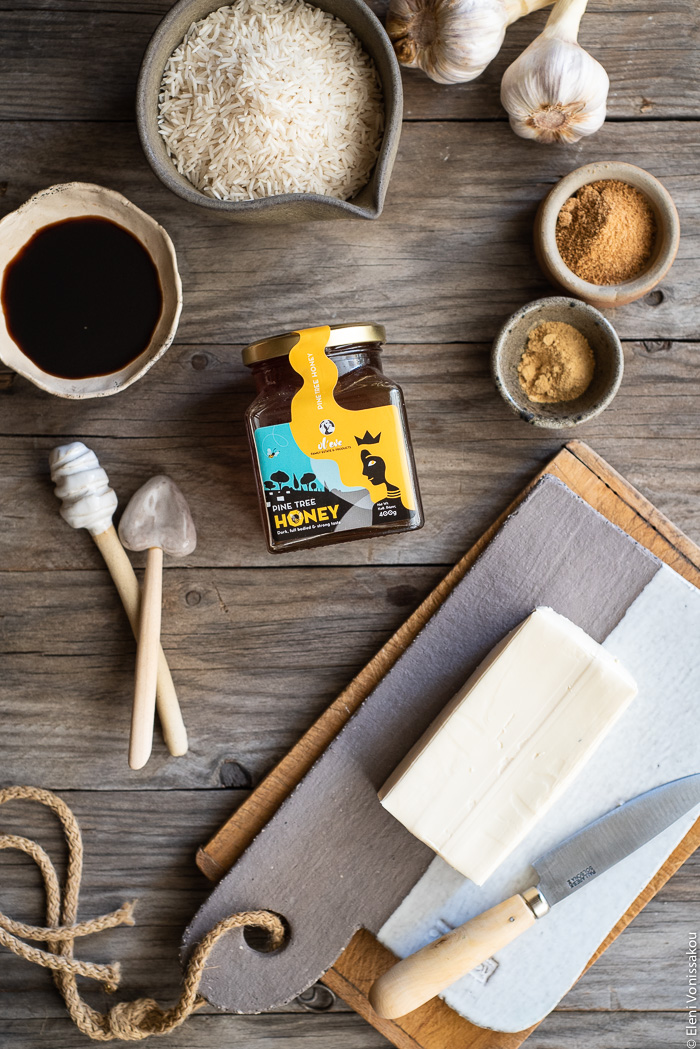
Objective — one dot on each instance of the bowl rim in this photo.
(58, 385)
(668, 231)
(156, 154)
(552, 422)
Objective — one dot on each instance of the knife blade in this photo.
(565, 869)
(608, 840)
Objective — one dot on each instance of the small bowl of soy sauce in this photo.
(89, 288)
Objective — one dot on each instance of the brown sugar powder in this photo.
(606, 232)
(557, 363)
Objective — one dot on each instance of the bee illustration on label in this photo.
(272, 452)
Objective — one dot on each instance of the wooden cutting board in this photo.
(435, 1025)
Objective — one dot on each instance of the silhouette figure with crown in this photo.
(390, 508)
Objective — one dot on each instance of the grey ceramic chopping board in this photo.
(332, 860)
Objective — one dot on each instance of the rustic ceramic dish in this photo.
(510, 343)
(72, 200)
(665, 248)
(287, 207)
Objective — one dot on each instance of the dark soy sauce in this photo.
(82, 298)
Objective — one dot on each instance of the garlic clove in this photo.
(452, 41)
(555, 92)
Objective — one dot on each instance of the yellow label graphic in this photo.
(368, 445)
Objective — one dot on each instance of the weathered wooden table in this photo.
(259, 646)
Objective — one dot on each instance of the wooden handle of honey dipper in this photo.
(144, 711)
(122, 572)
(416, 979)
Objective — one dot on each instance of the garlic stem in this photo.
(565, 19)
(516, 9)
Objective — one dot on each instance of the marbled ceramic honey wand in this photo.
(87, 501)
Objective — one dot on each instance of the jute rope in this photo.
(128, 1021)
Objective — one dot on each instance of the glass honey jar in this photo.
(329, 439)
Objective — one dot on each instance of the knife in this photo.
(566, 868)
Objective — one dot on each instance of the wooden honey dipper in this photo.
(87, 501)
(157, 518)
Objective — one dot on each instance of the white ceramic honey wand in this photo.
(88, 502)
(157, 518)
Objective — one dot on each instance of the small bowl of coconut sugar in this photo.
(607, 233)
(279, 110)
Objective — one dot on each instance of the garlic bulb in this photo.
(555, 91)
(452, 40)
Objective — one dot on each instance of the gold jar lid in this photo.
(341, 335)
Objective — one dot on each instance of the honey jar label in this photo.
(332, 468)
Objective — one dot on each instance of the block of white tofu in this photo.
(509, 743)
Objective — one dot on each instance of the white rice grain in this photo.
(271, 96)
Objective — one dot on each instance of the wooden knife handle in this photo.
(418, 978)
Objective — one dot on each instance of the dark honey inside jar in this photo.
(82, 298)
(329, 439)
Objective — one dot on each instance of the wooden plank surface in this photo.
(450, 258)
(185, 418)
(201, 390)
(244, 647)
(577, 1030)
(459, 258)
(130, 851)
(665, 37)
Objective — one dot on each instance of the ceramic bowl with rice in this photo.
(280, 110)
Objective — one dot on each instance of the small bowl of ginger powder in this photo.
(607, 233)
(557, 362)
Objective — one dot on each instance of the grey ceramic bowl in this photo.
(510, 343)
(668, 233)
(288, 207)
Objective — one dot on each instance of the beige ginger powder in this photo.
(557, 363)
